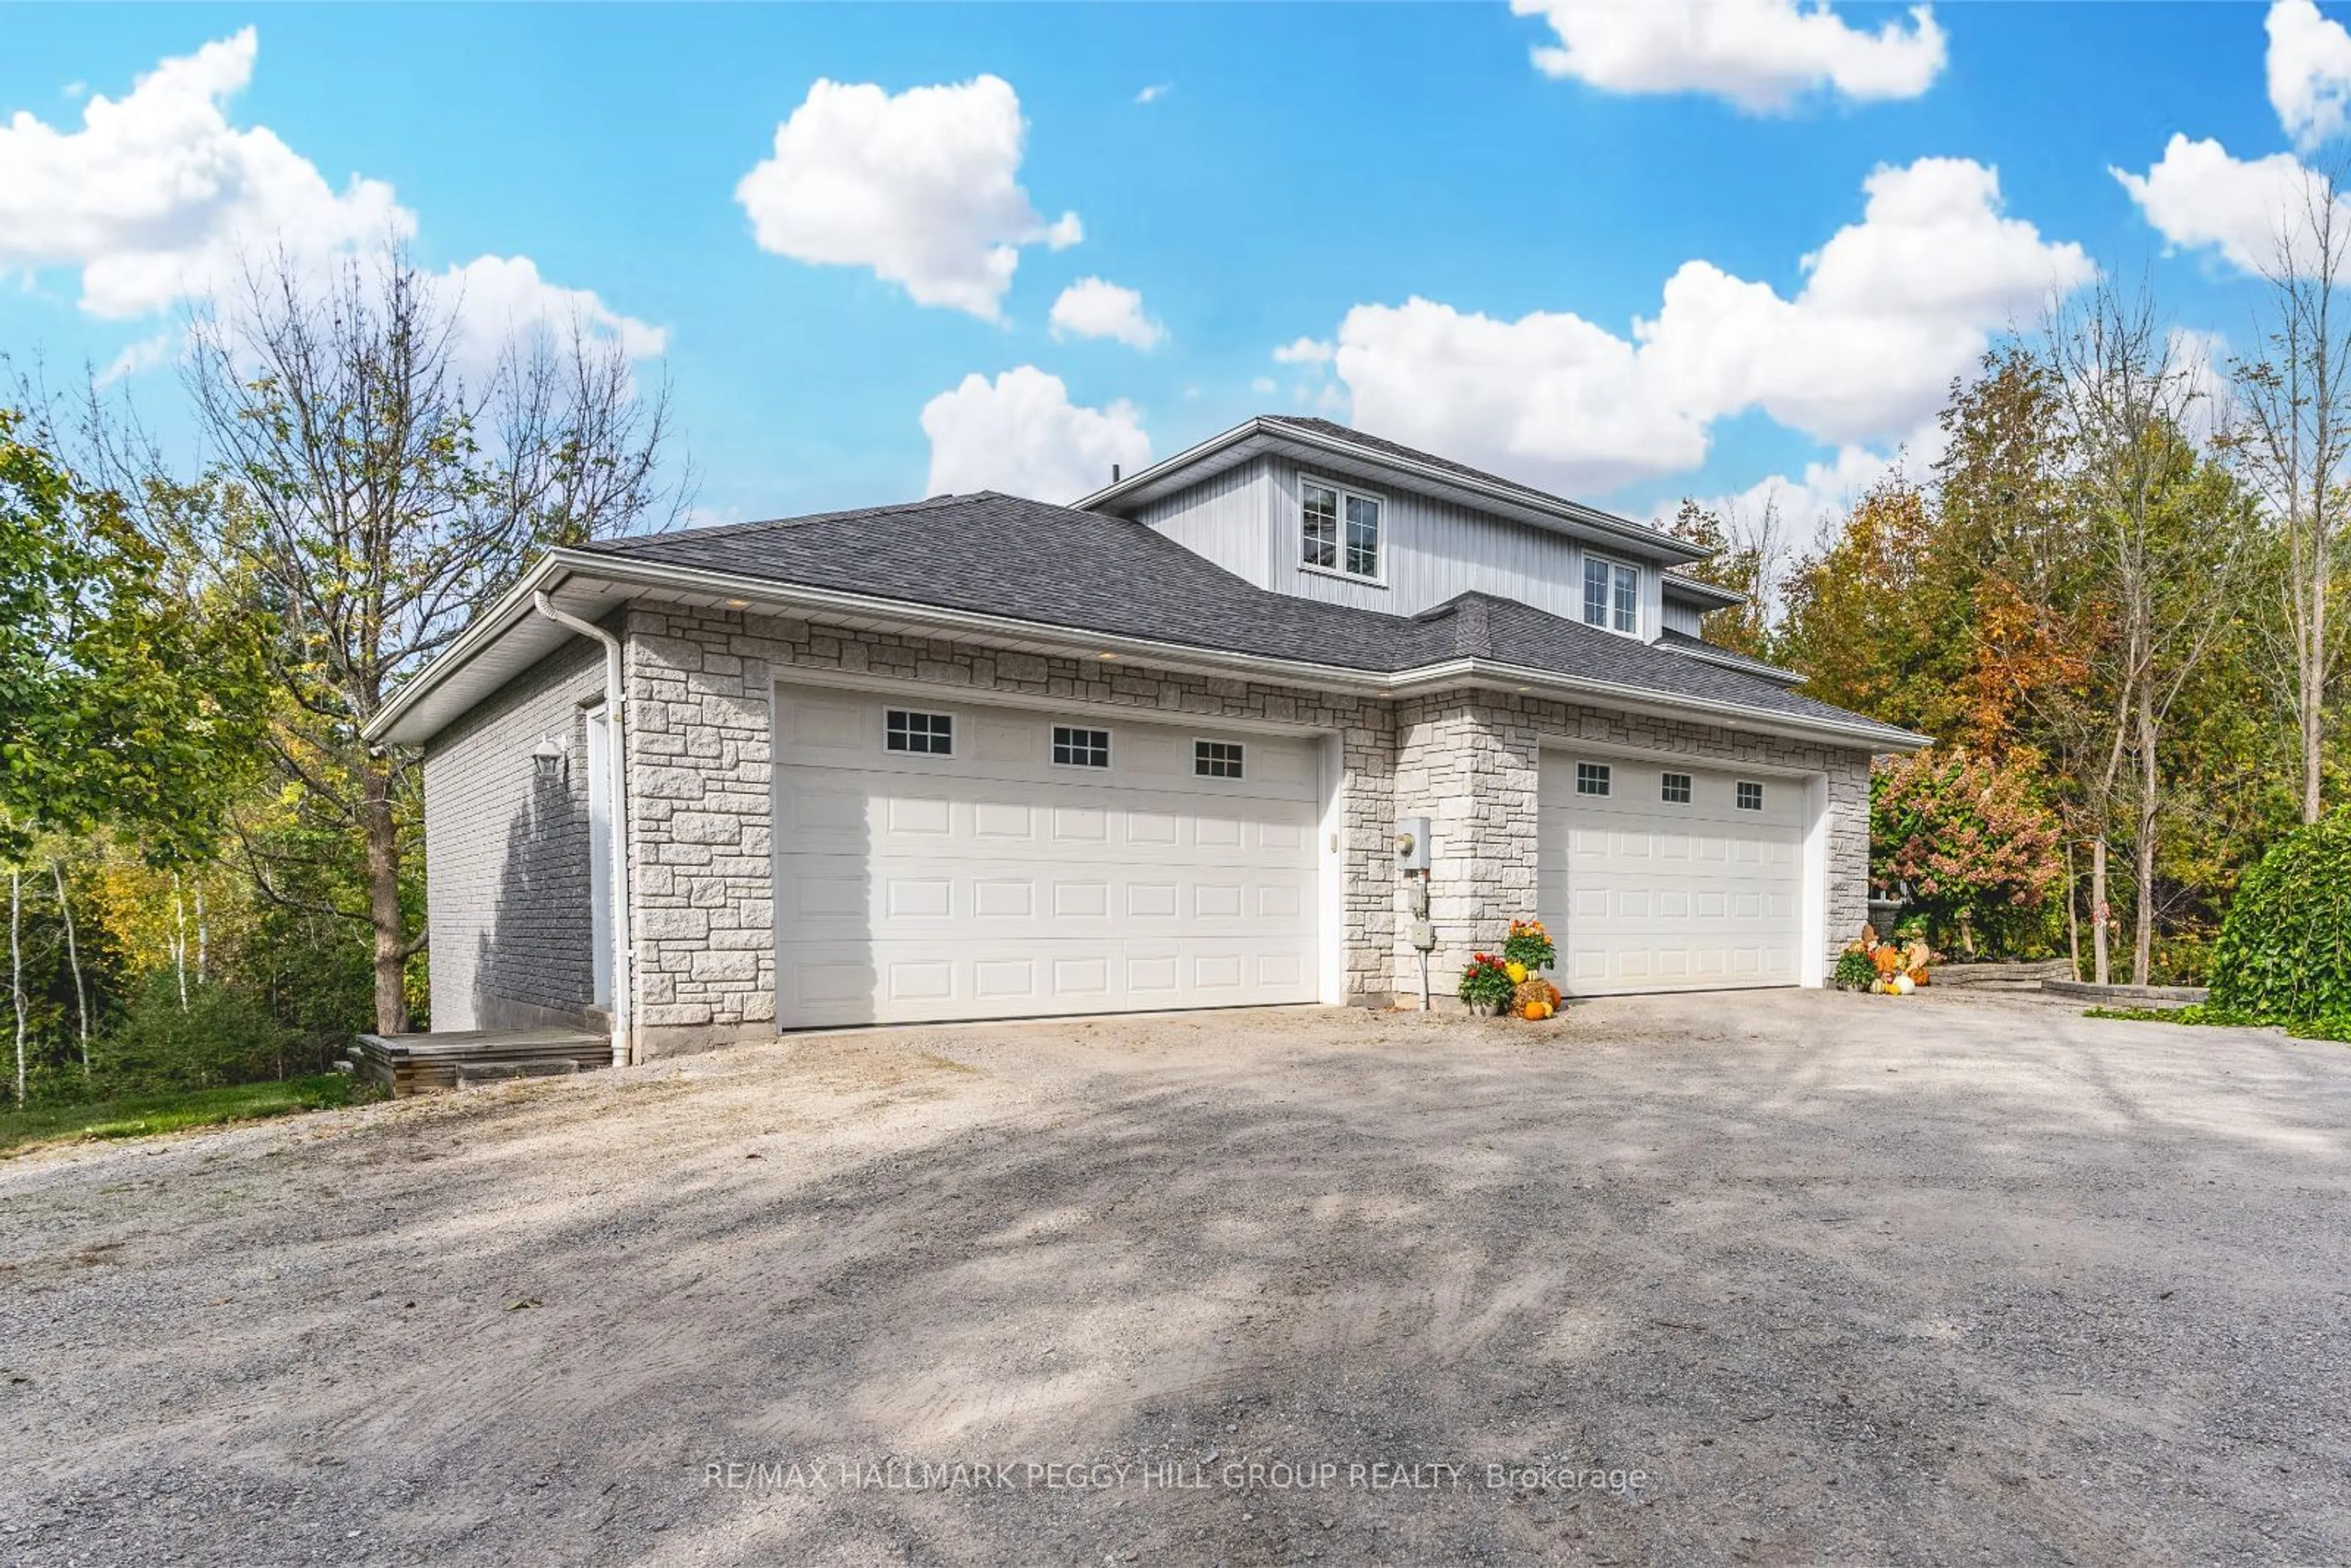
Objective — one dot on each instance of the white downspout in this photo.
(616, 793)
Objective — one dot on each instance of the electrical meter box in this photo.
(1412, 843)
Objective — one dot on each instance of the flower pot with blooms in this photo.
(1530, 946)
(1486, 983)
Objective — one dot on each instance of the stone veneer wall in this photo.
(701, 812)
(1472, 761)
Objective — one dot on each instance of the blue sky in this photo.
(1299, 173)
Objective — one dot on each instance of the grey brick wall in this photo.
(507, 884)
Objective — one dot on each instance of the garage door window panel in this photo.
(1077, 747)
(1217, 759)
(918, 734)
(1035, 863)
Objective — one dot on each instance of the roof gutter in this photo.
(482, 631)
(1690, 588)
(1648, 538)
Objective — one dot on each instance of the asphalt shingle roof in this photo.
(1670, 638)
(1002, 555)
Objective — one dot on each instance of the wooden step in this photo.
(408, 1063)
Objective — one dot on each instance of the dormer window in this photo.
(1612, 595)
(1339, 530)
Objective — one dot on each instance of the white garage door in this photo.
(938, 859)
(1658, 876)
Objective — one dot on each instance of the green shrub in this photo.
(2284, 952)
(1853, 969)
(223, 1035)
(1975, 847)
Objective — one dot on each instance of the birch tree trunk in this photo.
(2150, 781)
(2313, 670)
(180, 940)
(2072, 913)
(2098, 910)
(16, 971)
(2293, 446)
(73, 962)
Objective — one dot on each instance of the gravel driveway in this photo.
(1775, 1277)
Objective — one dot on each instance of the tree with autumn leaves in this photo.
(2072, 604)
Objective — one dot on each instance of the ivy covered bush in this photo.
(2285, 953)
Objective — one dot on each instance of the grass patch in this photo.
(143, 1115)
(2334, 1028)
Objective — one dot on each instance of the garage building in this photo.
(984, 756)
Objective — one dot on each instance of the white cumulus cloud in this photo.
(1304, 352)
(1095, 307)
(2309, 72)
(1817, 500)
(500, 299)
(1762, 55)
(2200, 196)
(920, 186)
(1892, 308)
(141, 357)
(1021, 434)
(158, 197)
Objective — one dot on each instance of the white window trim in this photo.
(1109, 749)
(1297, 530)
(1639, 596)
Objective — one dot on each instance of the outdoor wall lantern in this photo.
(547, 757)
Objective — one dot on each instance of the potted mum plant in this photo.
(1486, 983)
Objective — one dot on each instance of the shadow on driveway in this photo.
(1841, 1279)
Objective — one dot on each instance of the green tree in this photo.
(1863, 618)
(118, 702)
(376, 485)
(1746, 569)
